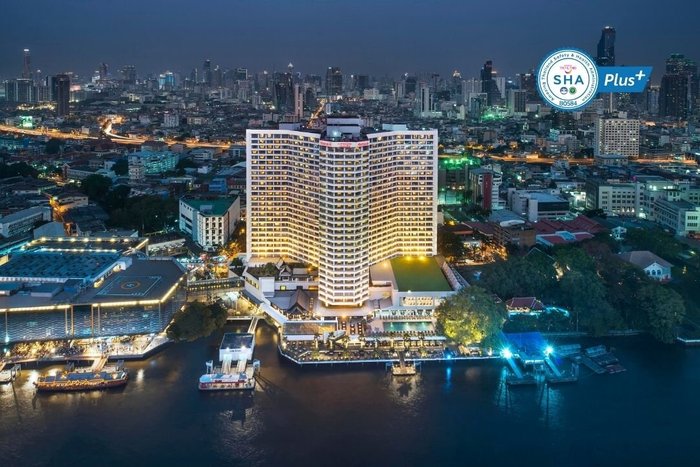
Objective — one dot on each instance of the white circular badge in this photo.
(567, 79)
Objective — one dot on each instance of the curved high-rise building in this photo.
(341, 200)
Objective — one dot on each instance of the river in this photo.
(459, 414)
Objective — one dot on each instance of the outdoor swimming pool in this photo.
(401, 326)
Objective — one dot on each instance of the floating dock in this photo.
(402, 367)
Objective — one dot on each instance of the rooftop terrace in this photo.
(419, 274)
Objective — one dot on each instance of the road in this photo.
(114, 137)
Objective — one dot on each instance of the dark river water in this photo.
(449, 415)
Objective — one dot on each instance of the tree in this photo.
(121, 167)
(664, 308)
(573, 258)
(533, 275)
(145, 213)
(96, 186)
(116, 198)
(584, 293)
(655, 240)
(53, 146)
(449, 244)
(471, 316)
(197, 320)
(21, 169)
(183, 164)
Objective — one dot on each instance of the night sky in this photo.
(361, 36)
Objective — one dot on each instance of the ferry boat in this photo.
(223, 379)
(82, 380)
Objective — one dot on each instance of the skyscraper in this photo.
(679, 87)
(488, 84)
(341, 200)
(129, 75)
(617, 136)
(334, 81)
(606, 47)
(26, 65)
(60, 85)
(517, 100)
(425, 100)
(283, 92)
(207, 76)
(298, 100)
(20, 90)
(103, 71)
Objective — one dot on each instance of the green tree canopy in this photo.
(96, 186)
(17, 169)
(584, 293)
(116, 198)
(471, 316)
(183, 164)
(145, 213)
(664, 308)
(53, 146)
(121, 167)
(532, 275)
(197, 320)
(449, 244)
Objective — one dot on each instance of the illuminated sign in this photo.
(26, 122)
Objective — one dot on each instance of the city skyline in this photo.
(313, 40)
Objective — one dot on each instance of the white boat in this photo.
(227, 379)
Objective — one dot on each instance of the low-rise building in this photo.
(537, 204)
(210, 222)
(23, 221)
(615, 198)
(142, 163)
(682, 217)
(654, 267)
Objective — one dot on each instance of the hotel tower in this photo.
(341, 200)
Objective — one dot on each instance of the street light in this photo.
(507, 354)
(548, 351)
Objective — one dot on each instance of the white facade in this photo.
(341, 204)
(209, 223)
(617, 136)
(24, 220)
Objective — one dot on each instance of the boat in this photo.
(84, 380)
(226, 379)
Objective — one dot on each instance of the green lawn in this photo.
(419, 274)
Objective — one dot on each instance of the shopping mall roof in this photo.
(57, 265)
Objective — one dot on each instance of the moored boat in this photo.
(81, 380)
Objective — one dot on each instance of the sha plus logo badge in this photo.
(567, 79)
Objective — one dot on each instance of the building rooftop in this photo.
(232, 340)
(419, 274)
(143, 280)
(19, 215)
(644, 259)
(214, 207)
(57, 265)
